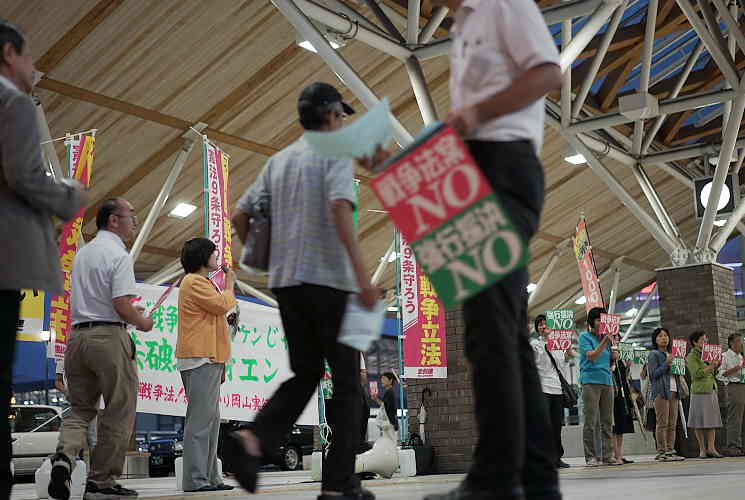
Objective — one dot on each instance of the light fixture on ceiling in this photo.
(335, 39)
(632, 312)
(573, 157)
(720, 223)
(531, 287)
(580, 301)
(309, 46)
(183, 210)
(724, 197)
(393, 309)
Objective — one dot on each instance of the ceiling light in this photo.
(724, 197)
(531, 287)
(393, 309)
(632, 312)
(309, 46)
(720, 223)
(581, 300)
(575, 159)
(183, 210)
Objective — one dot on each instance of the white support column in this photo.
(725, 156)
(597, 61)
(296, 17)
(412, 22)
(641, 314)
(547, 272)
(385, 20)
(649, 31)
(435, 20)
(249, 290)
(421, 91)
(723, 60)
(383, 263)
(732, 221)
(158, 277)
(734, 31)
(585, 35)
(566, 83)
(570, 10)
(667, 223)
(614, 288)
(190, 136)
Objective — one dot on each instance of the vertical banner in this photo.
(80, 156)
(216, 205)
(587, 271)
(425, 340)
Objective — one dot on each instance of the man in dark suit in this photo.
(29, 197)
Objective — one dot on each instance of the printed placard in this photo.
(560, 320)
(445, 208)
(559, 341)
(679, 366)
(610, 325)
(711, 353)
(640, 356)
(626, 351)
(680, 348)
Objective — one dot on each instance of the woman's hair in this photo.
(538, 319)
(196, 254)
(594, 314)
(390, 376)
(656, 333)
(732, 338)
(693, 338)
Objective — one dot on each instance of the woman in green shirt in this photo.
(704, 417)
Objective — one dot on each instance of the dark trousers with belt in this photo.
(555, 403)
(311, 317)
(515, 450)
(10, 308)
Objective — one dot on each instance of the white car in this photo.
(34, 431)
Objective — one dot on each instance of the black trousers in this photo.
(312, 317)
(555, 403)
(515, 451)
(10, 309)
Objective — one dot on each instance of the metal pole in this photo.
(655, 202)
(646, 72)
(343, 25)
(412, 24)
(165, 192)
(384, 20)
(614, 289)
(566, 83)
(641, 314)
(686, 152)
(249, 290)
(732, 221)
(715, 49)
(664, 240)
(157, 278)
(597, 61)
(421, 92)
(570, 10)
(689, 65)
(547, 273)
(356, 16)
(585, 35)
(725, 157)
(435, 20)
(733, 27)
(383, 263)
(290, 9)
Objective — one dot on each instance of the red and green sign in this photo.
(446, 210)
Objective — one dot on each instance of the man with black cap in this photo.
(315, 264)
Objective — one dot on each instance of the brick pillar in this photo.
(450, 426)
(698, 297)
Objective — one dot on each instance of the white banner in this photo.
(259, 362)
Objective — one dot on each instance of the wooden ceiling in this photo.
(141, 72)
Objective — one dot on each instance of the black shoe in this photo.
(357, 494)
(206, 487)
(246, 466)
(224, 487)
(93, 492)
(366, 476)
(563, 465)
(464, 492)
(59, 483)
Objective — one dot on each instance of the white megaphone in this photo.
(383, 457)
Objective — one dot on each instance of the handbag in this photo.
(255, 256)
(569, 395)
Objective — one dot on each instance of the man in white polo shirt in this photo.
(732, 375)
(503, 63)
(100, 356)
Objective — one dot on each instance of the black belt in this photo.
(93, 324)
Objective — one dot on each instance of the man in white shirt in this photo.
(550, 382)
(99, 359)
(503, 63)
(732, 375)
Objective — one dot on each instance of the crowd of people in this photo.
(613, 400)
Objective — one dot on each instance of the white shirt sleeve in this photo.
(525, 34)
(123, 278)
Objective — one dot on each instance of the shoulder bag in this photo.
(569, 395)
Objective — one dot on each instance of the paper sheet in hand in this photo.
(361, 327)
(359, 139)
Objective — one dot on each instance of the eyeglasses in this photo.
(133, 217)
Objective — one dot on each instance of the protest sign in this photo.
(217, 225)
(626, 351)
(711, 353)
(610, 325)
(640, 355)
(586, 263)
(679, 366)
(559, 341)
(680, 348)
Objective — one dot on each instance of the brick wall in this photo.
(450, 426)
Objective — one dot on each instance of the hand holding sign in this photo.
(559, 341)
(712, 353)
(610, 326)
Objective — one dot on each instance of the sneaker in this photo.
(673, 457)
(591, 462)
(662, 457)
(59, 482)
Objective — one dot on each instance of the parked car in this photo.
(164, 448)
(289, 456)
(34, 432)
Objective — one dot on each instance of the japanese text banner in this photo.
(80, 157)
(216, 206)
(258, 364)
(425, 340)
(587, 272)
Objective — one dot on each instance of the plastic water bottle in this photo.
(43, 476)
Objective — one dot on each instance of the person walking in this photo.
(100, 356)
(703, 416)
(548, 372)
(29, 198)
(597, 391)
(202, 349)
(665, 391)
(315, 264)
(732, 376)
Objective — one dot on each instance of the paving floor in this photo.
(715, 479)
